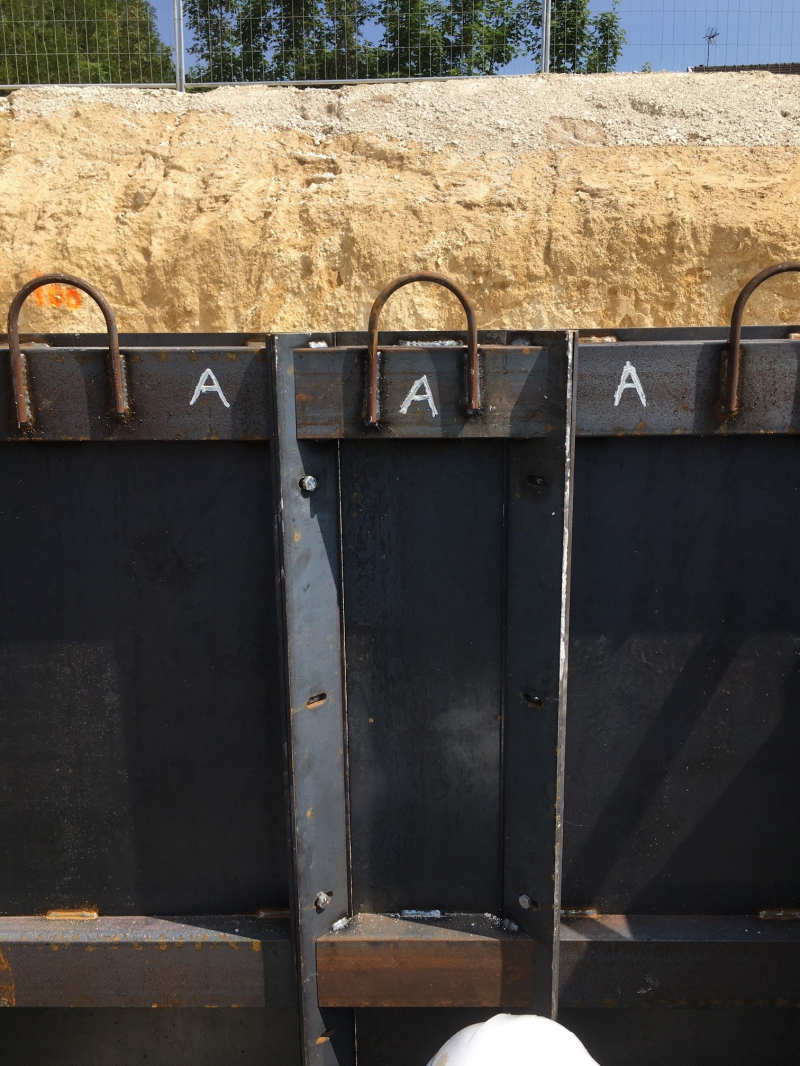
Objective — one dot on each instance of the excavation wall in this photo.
(612, 200)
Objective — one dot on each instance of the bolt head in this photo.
(525, 901)
(308, 483)
(322, 901)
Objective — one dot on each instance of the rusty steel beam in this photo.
(467, 960)
(177, 391)
(146, 962)
(618, 960)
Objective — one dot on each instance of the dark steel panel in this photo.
(69, 389)
(122, 1037)
(139, 668)
(464, 960)
(687, 1037)
(146, 962)
(310, 570)
(330, 393)
(635, 961)
(537, 588)
(678, 387)
(423, 536)
(682, 788)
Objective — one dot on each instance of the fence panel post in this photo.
(180, 70)
(547, 12)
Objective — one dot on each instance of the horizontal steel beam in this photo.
(671, 387)
(630, 383)
(421, 393)
(619, 960)
(210, 392)
(146, 962)
(380, 960)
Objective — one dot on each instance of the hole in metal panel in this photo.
(316, 701)
(531, 699)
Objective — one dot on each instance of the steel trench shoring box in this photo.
(423, 520)
(681, 884)
(141, 763)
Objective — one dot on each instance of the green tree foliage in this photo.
(85, 41)
(582, 43)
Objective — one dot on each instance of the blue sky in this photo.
(668, 34)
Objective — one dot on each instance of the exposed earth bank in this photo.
(557, 201)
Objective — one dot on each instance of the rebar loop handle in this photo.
(120, 405)
(473, 399)
(728, 405)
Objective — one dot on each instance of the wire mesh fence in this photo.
(83, 42)
(228, 41)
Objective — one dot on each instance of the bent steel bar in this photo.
(120, 405)
(729, 395)
(473, 403)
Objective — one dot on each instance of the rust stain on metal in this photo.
(473, 403)
(7, 994)
(71, 916)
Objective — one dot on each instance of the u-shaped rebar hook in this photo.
(473, 401)
(728, 405)
(120, 405)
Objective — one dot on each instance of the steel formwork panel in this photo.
(421, 634)
(682, 682)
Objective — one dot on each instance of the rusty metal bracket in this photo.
(728, 405)
(120, 402)
(473, 400)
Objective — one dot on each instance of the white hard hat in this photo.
(514, 1040)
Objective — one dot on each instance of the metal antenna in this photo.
(710, 37)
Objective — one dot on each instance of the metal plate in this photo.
(139, 667)
(625, 961)
(177, 393)
(682, 790)
(668, 387)
(146, 962)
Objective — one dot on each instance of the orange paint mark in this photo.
(58, 296)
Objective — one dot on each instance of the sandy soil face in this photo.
(556, 201)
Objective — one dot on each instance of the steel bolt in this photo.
(308, 483)
(525, 901)
(322, 901)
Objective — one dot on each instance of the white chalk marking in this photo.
(415, 396)
(629, 380)
(203, 386)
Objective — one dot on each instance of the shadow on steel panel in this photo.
(142, 801)
(681, 887)
(425, 562)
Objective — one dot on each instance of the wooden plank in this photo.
(422, 393)
(380, 960)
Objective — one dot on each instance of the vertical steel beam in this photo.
(538, 556)
(308, 541)
(180, 63)
(547, 18)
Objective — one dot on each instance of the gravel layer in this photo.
(480, 115)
